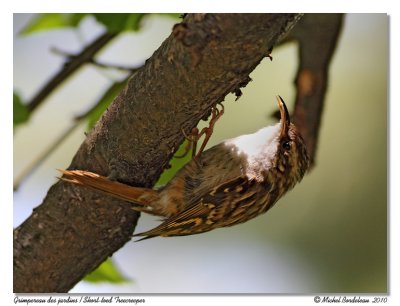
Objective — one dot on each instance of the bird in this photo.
(227, 184)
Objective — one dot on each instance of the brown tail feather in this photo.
(137, 195)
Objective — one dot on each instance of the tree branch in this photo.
(63, 136)
(317, 35)
(96, 63)
(73, 64)
(206, 57)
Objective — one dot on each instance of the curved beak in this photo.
(285, 118)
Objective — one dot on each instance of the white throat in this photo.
(265, 140)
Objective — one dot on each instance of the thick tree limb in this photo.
(317, 35)
(206, 57)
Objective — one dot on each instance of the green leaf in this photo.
(176, 164)
(114, 22)
(101, 106)
(106, 272)
(51, 21)
(73, 20)
(20, 111)
(119, 22)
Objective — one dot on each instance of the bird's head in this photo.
(291, 156)
(276, 152)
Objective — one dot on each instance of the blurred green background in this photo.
(328, 235)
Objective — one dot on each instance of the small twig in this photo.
(112, 66)
(94, 62)
(44, 155)
(70, 67)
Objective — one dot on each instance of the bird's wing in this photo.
(227, 204)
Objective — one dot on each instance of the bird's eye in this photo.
(286, 145)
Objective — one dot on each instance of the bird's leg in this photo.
(216, 114)
(195, 135)
(192, 139)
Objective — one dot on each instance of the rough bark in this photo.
(206, 57)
